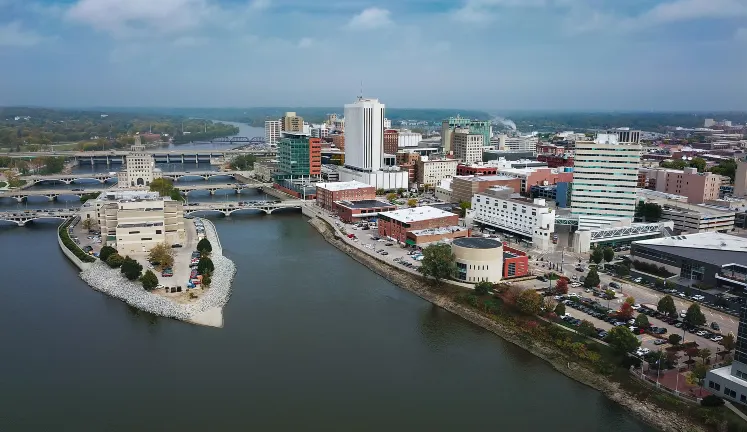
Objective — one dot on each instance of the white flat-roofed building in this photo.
(364, 135)
(516, 143)
(135, 223)
(501, 208)
(432, 171)
(408, 138)
(478, 259)
(606, 175)
(692, 218)
(329, 193)
(273, 129)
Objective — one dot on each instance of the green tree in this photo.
(106, 252)
(205, 266)
(438, 262)
(412, 202)
(674, 339)
(694, 316)
(608, 254)
(560, 309)
(204, 247)
(592, 278)
(699, 372)
(622, 270)
(176, 195)
(161, 255)
(728, 342)
(641, 320)
(115, 260)
(586, 328)
(391, 197)
(463, 207)
(529, 302)
(482, 288)
(243, 162)
(380, 192)
(162, 185)
(666, 306)
(131, 269)
(648, 211)
(698, 163)
(149, 280)
(622, 340)
(597, 255)
(609, 293)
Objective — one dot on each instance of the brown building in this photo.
(396, 224)
(464, 187)
(291, 122)
(338, 141)
(391, 141)
(328, 193)
(431, 235)
(408, 161)
(353, 211)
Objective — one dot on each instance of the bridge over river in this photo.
(160, 155)
(104, 177)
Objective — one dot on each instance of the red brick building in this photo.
(554, 160)
(391, 141)
(315, 157)
(328, 193)
(464, 170)
(515, 262)
(353, 211)
(396, 224)
(338, 141)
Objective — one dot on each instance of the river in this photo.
(312, 341)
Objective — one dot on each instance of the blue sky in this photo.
(482, 54)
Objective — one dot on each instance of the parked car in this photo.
(715, 326)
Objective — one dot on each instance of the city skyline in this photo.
(584, 55)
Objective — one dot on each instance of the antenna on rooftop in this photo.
(361, 93)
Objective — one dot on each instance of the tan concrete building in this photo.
(467, 146)
(432, 171)
(478, 259)
(740, 181)
(463, 188)
(697, 187)
(292, 122)
(139, 169)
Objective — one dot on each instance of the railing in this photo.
(635, 373)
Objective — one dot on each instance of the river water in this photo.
(312, 341)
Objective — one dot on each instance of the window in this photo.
(158, 231)
(134, 232)
(145, 238)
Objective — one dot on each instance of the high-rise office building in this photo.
(292, 122)
(467, 146)
(299, 155)
(139, 168)
(475, 126)
(606, 175)
(364, 135)
(272, 131)
(740, 179)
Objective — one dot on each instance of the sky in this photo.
(682, 55)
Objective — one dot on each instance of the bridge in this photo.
(53, 194)
(227, 209)
(104, 177)
(22, 217)
(238, 139)
(160, 155)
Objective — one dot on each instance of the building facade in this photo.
(467, 146)
(328, 193)
(356, 211)
(432, 171)
(697, 187)
(364, 135)
(463, 188)
(478, 259)
(391, 141)
(273, 129)
(292, 122)
(139, 169)
(740, 179)
(397, 224)
(606, 175)
(499, 207)
(475, 126)
(299, 155)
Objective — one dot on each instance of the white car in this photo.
(702, 333)
(573, 295)
(698, 297)
(717, 338)
(636, 306)
(575, 285)
(642, 351)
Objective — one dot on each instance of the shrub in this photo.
(149, 280)
(70, 244)
(115, 260)
(204, 247)
(711, 401)
(131, 268)
(205, 266)
(106, 252)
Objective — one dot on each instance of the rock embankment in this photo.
(110, 281)
(648, 412)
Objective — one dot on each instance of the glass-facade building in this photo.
(475, 126)
(299, 155)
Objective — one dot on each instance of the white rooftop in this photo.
(338, 186)
(121, 195)
(438, 231)
(477, 178)
(416, 214)
(708, 240)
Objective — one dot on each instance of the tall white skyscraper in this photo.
(364, 135)
(273, 128)
(605, 175)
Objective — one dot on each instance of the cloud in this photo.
(14, 35)
(687, 10)
(369, 19)
(483, 11)
(260, 5)
(305, 42)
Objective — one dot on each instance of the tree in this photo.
(529, 302)
(630, 300)
(561, 286)
(626, 311)
(400, 191)
(161, 255)
(666, 306)
(391, 197)
(412, 202)
(380, 192)
(728, 342)
(704, 354)
(711, 401)
(243, 162)
(205, 266)
(592, 278)
(89, 224)
(641, 320)
(115, 260)
(206, 279)
(204, 247)
(438, 262)
(674, 339)
(648, 211)
(691, 352)
(694, 316)
(162, 185)
(622, 270)
(597, 255)
(610, 293)
(622, 340)
(586, 328)
(149, 280)
(176, 195)
(699, 373)
(698, 163)
(106, 252)
(608, 254)
(482, 288)
(131, 269)
(463, 207)
(560, 309)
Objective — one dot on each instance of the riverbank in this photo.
(207, 310)
(649, 412)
